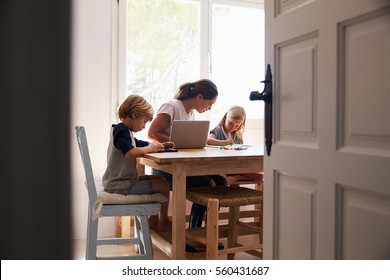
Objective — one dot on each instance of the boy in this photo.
(121, 175)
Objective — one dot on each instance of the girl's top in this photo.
(121, 172)
(221, 135)
(175, 109)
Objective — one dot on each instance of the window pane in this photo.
(237, 58)
(163, 44)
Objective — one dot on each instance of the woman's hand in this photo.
(168, 145)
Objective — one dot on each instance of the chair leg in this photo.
(234, 214)
(91, 242)
(138, 234)
(260, 223)
(212, 229)
(145, 237)
(258, 187)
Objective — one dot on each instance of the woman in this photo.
(199, 96)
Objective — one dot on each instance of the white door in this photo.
(327, 180)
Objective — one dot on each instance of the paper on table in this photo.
(231, 147)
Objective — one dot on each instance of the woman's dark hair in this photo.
(204, 87)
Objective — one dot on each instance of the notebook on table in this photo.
(189, 134)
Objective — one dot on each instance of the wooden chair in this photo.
(221, 196)
(103, 204)
(255, 215)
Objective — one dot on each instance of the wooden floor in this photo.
(79, 250)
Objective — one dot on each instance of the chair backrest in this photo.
(84, 152)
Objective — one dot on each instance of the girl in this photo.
(229, 131)
(121, 175)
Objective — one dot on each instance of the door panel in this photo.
(363, 228)
(327, 180)
(297, 195)
(298, 94)
(363, 106)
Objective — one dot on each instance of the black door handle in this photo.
(266, 96)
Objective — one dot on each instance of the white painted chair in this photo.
(103, 204)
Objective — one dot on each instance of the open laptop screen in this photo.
(189, 134)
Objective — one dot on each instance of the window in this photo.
(237, 56)
(162, 47)
(170, 42)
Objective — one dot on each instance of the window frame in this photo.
(118, 46)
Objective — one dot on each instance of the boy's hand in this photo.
(155, 147)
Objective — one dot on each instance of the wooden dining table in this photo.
(195, 162)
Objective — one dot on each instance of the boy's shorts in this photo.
(141, 186)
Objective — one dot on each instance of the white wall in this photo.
(90, 104)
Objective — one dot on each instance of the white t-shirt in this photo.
(175, 109)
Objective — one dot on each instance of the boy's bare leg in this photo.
(165, 223)
(161, 186)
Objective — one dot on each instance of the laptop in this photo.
(189, 134)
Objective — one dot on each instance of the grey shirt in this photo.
(221, 135)
(121, 172)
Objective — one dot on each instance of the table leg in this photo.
(178, 211)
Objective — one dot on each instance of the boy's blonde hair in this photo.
(135, 106)
(236, 113)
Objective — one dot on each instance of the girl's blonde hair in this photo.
(236, 113)
(135, 106)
